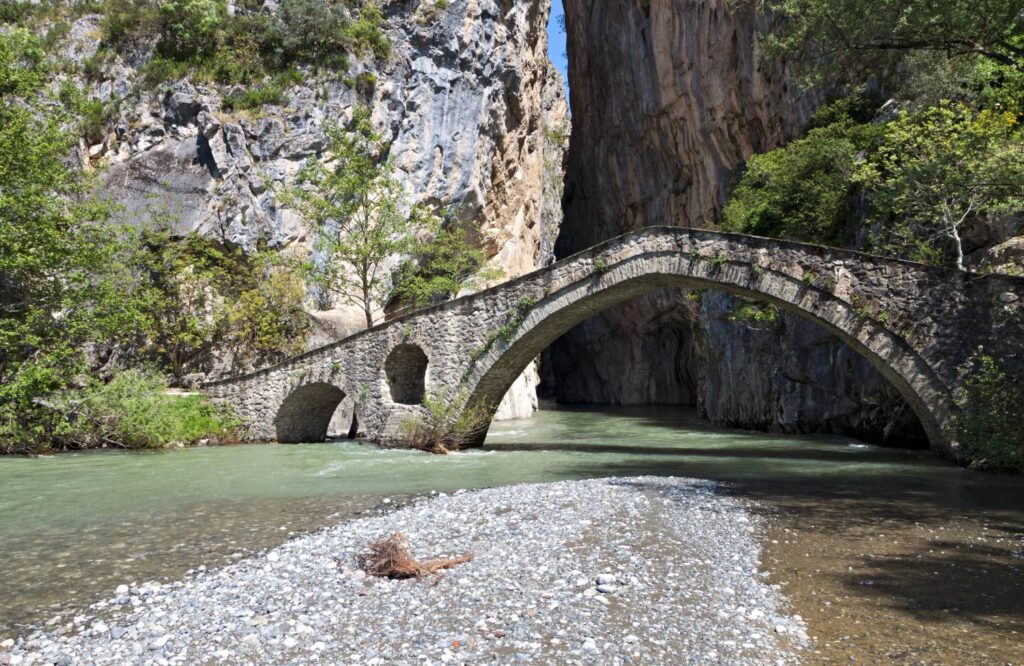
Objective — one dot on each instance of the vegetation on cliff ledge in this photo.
(924, 142)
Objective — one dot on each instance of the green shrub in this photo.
(802, 191)
(254, 98)
(134, 411)
(756, 314)
(160, 69)
(127, 23)
(446, 425)
(191, 28)
(989, 427)
(366, 34)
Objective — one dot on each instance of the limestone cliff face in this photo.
(475, 112)
(669, 99)
(793, 376)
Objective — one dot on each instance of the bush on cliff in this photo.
(203, 38)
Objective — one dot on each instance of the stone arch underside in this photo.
(895, 359)
(305, 415)
(406, 372)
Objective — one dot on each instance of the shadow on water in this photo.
(895, 529)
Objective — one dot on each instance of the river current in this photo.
(890, 554)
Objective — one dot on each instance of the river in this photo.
(890, 555)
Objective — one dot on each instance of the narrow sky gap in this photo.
(557, 47)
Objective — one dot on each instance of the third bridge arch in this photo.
(918, 325)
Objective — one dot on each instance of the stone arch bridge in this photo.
(920, 326)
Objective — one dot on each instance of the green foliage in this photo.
(803, 191)
(306, 31)
(989, 428)
(134, 410)
(447, 424)
(906, 179)
(78, 294)
(354, 205)
(272, 92)
(63, 282)
(365, 34)
(445, 264)
(190, 27)
(857, 39)
(130, 23)
(911, 183)
(203, 298)
(937, 169)
(755, 314)
(200, 37)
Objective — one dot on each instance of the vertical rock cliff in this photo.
(669, 99)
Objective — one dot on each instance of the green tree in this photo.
(444, 265)
(63, 281)
(989, 428)
(192, 27)
(854, 36)
(354, 205)
(937, 169)
(802, 191)
(206, 300)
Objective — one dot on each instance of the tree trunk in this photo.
(368, 308)
(959, 250)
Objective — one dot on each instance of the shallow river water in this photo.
(891, 556)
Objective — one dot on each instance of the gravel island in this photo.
(651, 570)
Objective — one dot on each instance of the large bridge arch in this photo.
(493, 372)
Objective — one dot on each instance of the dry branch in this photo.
(390, 558)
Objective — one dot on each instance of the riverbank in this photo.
(638, 570)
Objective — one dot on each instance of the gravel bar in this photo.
(640, 570)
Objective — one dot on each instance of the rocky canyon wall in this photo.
(475, 112)
(670, 97)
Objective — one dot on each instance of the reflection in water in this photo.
(75, 526)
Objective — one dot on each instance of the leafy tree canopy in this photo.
(858, 36)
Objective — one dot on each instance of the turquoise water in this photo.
(74, 526)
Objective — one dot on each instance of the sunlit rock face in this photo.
(670, 98)
(474, 110)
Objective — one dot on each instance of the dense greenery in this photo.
(864, 37)
(442, 266)
(202, 38)
(905, 187)
(61, 287)
(134, 410)
(922, 146)
(358, 213)
(203, 300)
(907, 179)
(84, 298)
(989, 428)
